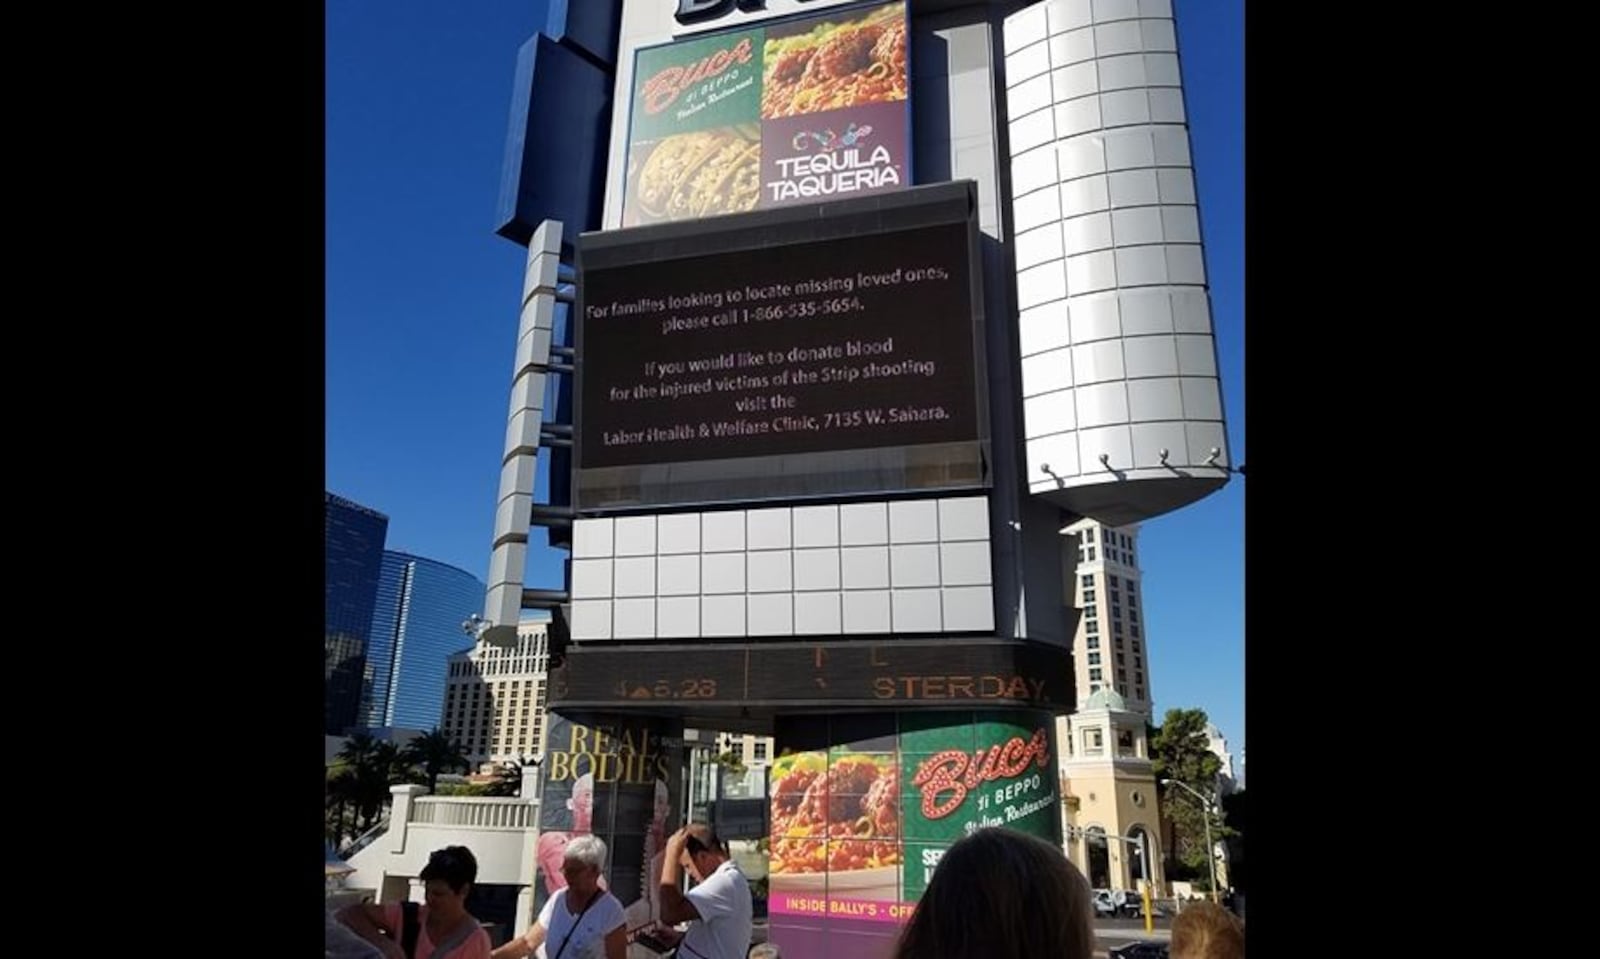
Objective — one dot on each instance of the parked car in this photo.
(1144, 949)
(1129, 902)
(1126, 903)
(1104, 904)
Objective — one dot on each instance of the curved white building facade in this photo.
(1122, 406)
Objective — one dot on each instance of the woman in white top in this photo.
(581, 921)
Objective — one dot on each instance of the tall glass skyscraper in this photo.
(416, 625)
(353, 538)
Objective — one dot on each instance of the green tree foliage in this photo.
(1180, 750)
(432, 754)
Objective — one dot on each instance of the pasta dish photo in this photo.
(836, 65)
(842, 818)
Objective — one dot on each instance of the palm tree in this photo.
(341, 793)
(434, 753)
(507, 779)
(373, 781)
(357, 750)
(370, 765)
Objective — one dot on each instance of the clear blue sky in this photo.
(422, 308)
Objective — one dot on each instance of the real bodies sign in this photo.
(858, 828)
(803, 109)
(616, 781)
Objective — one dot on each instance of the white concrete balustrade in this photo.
(473, 812)
(500, 831)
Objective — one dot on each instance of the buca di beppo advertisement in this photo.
(858, 827)
(797, 110)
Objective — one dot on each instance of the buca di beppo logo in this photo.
(954, 771)
(667, 84)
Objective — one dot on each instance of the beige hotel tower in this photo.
(1107, 782)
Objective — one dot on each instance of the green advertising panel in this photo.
(998, 770)
(698, 85)
(861, 819)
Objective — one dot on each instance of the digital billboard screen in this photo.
(785, 112)
(792, 353)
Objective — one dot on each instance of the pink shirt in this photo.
(476, 946)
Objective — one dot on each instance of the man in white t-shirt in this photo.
(718, 909)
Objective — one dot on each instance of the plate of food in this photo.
(836, 64)
(836, 824)
(706, 173)
(882, 882)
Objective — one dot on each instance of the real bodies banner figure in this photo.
(618, 781)
(858, 827)
(803, 109)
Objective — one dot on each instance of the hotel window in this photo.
(1086, 579)
(761, 750)
(1088, 535)
(1093, 627)
(1093, 742)
(1094, 642)
(1139, 691)
(1088, 595)
(1094, 675)
(1094, 659)
(1122, 660)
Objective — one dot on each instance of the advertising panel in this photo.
(860, 823)
(778, 113)
(619, 782)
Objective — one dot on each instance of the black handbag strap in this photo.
(409, 927)
(568, 938)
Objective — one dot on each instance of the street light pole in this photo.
(1205, 809)
(1149, 868)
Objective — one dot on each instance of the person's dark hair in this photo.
(700, 838)
(455, 865)
(1001, 894)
